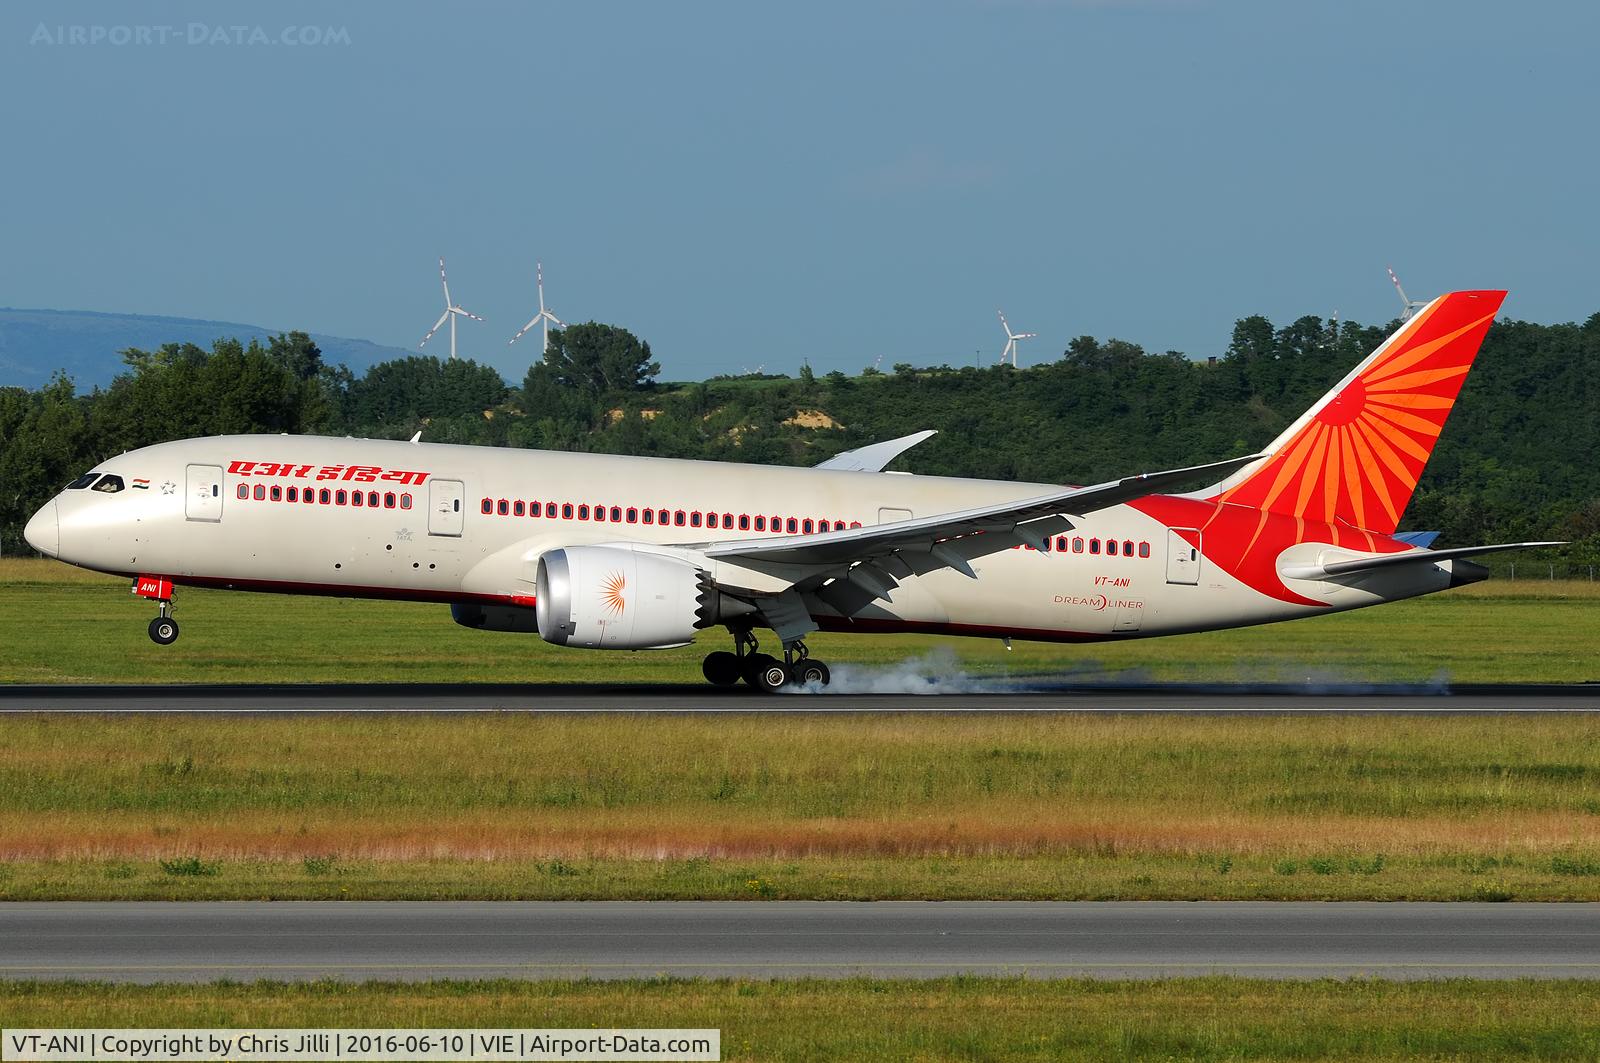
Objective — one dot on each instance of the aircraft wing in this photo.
(876, 456)
(952, 538)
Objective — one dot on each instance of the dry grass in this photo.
(946, 1019)
(1440, 800)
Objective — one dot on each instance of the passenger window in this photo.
(761, 523)
(242, 491)
(838, 525)
(81, 482)
(583, 512)
(744, 522)
(649, 516)
(679, 518)
(694, 519)
(308, 496)
(340, 498)
(517, 508)
(663, 517)
(711, 520)
(1127, 548)
(388, 500)
(549, 509)
(566, 511)
(260, 492)
(294, 494)
(405, 500)
(501, 507)
(792, 525)
(324, 496)
(1077, 545)
(807, 527)
(600, 513)
(487, 506)
(1144, 549)
(616, 514)
(357, 498)
(1111, 547)
(1094, 546)
(277, 493)
(633, 515)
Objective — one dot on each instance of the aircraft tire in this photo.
(163, 631)
(811, 671)
(720, 668)
(754, 663)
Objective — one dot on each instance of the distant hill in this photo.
(35, 343)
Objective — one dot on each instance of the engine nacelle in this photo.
(618, 598)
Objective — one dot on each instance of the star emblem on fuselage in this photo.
(169, 488)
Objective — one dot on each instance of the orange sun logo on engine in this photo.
(611, 593)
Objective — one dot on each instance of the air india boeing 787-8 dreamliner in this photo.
(620, 553)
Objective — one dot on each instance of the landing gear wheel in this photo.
(810, 672)
(164, 630)
(773, 676)
(721, 668)
(757, 663)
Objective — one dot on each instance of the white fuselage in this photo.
(217, 512)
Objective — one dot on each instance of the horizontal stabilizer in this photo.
(1423, 539)
(1408, 557)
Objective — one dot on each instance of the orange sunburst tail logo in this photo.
(1355, 457)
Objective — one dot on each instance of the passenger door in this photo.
(1183, 560)
(202, 498)
(446, 507)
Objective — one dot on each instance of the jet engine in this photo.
(619, 598)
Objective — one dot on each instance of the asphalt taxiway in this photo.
(1018, 696)
(185, 942)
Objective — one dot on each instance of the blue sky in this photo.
(745, 184)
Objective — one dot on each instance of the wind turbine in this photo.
(1411, 305)
(1011, 341)
(451, 311)
(543, 315)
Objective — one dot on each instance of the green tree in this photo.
(599, 359)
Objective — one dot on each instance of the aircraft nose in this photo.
(43, 531)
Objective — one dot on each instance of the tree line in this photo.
(1516, 460)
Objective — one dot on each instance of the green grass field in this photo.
(949, 1019)
(764, 807)
(84, 628)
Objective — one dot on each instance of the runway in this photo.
(186, 942)
(963, 696)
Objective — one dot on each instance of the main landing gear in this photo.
(762, 670)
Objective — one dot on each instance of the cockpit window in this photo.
(109, 484)
(83, 481)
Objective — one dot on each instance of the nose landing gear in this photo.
(762, 670)
(163, 629)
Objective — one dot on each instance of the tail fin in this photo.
(1355, 457)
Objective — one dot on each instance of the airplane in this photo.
(632, 553)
